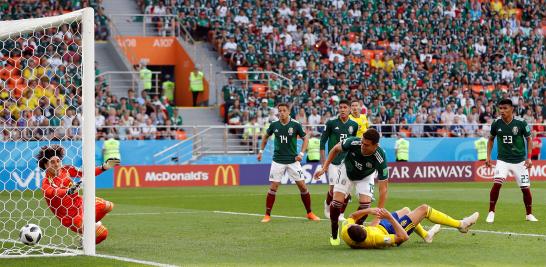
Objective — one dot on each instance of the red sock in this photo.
(494, 196)
(335, 210)
(527, 199)
(345, 203)
(329, 197)
(363, 205)
(100, 234)
(269, 201)
(306, 199)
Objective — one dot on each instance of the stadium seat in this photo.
(260, 88)
(181, 135)
(241, 73)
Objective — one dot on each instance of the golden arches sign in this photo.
(128, 173)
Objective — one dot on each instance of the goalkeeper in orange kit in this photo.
(61, 192)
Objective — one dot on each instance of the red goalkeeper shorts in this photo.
(75, 223)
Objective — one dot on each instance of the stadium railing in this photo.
(238, 139)
(255, 81)
(125, 80)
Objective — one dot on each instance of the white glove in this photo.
(110, 163)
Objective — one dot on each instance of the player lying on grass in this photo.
(61, 193)
(395, 228)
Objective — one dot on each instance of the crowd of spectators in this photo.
(41, 83)
(409, 62)
(25, 9)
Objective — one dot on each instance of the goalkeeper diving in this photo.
(61, 192)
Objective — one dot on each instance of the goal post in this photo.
(47, 92)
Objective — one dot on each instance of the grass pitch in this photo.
(193, 226)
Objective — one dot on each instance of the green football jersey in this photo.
(286, 140)
(337, 131)
(511, 139)
(359, 166)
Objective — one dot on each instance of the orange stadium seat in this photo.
(352, 36)
(519, 13)
(241, 75)
(260, 88)
(476, 88)
(384, 43)
(181, 135)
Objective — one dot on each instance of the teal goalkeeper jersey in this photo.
(336, 131)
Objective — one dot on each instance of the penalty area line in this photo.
(125, 259)
(256, 214)
(443, 228)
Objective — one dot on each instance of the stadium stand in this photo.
(442, 62)
(39, 84)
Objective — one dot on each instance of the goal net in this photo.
(47, 97)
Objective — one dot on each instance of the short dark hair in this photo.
(344, 101)
(505, 101)
(355, 100)
(47, 152)
(357, 233)
(372, 135)
(282, 105)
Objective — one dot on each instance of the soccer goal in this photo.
(47, 95)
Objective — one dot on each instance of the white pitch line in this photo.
(257, 215)
(151, 263)
(498, 233)
(471, 230)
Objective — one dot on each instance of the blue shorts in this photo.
(405, 222)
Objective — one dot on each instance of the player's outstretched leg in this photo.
(493, 197)
(427, 236)
(269, 201)
(100, 233)
(435, 216)
(528, 201)
(306, 199)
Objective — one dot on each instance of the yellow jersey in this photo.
(362, 122)
(377, 236)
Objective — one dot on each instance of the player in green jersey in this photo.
(337, 130)
(364, 162)
(286, 159)
(511, 134)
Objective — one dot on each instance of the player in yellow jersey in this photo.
(395, 228)
(360, 119)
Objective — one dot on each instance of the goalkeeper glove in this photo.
(74, 188)
(110, 163)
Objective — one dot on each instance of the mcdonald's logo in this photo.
(225, 172)
(128, 174)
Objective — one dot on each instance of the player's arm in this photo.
(51, 191)
(361, 213)
(265, 138)
(528, 162)
(490, 142)
(383, 177)
(305, 137)
(331, 156)
(401, 235)
(323, 139)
